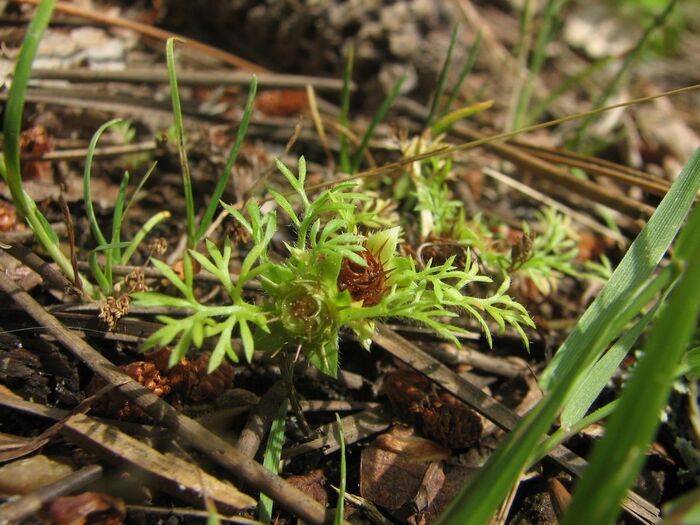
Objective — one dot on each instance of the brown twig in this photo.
(81, 153)
(355, 428)
(192, 78)
(185, 428)
(48, 272)
(260, 419)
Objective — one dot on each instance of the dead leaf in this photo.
(281, 102)
(94, 508)
(313, 484)
(388, 479)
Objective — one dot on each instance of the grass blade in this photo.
(15, 103)
(340, 507)
(12, 126)
(591, 385)
(230, 162)
(634, 269)
(87, 177)
(140, 186)
(441, 81)
(468, 66)
(273, 454)
(446, 122)
(376, 119)
(619, 456)
(180, 138)
(544, 36)
(481, 497)
(141, 234)
(345, 109)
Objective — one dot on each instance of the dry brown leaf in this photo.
(92, 508)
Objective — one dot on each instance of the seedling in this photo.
(333, 278)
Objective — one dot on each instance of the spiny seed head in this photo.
(365, 283)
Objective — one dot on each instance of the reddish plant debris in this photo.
(113, 309)
(210, 386)
(8, 217)
(115, 404)
(187, 379)
(312, 483)
(414, 490)
(436, 414)
(560, 496)
(475, 181)
(391, 480)
(190, 378)
(36, 141)
(282, 102)
(520, 251)
(179, 269)
(149, 376)
(591, 246)
(92, 508)
(366, 284)
(238, 234)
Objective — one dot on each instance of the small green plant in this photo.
(114, 251)
(332, 278)
(544, 252)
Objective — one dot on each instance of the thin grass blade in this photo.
(12, 125)
(544, 36)
(141, 234)
(449, 120)
(591, 385)
(441, 81)
(273, 454)
(466, 70)
(87, 178)
(181, 143)
(230, 162)
(344, 156)
(376, 119)
(340, 506)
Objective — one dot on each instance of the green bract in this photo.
(304, 308)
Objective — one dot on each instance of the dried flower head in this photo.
(366, 284)
(113, 309)
(135, 281)
(8, 217)
(158, 246)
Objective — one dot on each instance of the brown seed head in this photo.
(366, 284)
